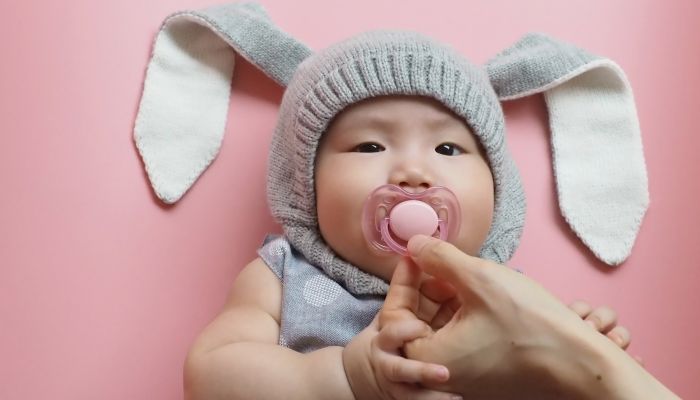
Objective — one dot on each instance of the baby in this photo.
(381, 108)
(280, 301)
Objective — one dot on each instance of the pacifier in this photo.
(391, 216)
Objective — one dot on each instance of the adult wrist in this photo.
(572, 365)
(630, 381)
(593, 367)
(592, 374)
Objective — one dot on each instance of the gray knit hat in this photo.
(597, 150)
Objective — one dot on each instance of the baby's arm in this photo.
(237, 356)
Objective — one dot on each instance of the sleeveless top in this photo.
(317, 311)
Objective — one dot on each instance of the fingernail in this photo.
(592, 324)
(442, 373)
(617, 339)
(416, 244)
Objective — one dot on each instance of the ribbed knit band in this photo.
(368, 65)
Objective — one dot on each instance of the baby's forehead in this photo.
(389, 111)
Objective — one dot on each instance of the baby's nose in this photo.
(414, 189)
(412, 178)
(412, 174)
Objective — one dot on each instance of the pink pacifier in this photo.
(391, 216)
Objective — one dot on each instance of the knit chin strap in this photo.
(181, 119)
(596, 144)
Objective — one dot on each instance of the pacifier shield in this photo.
(391, 216)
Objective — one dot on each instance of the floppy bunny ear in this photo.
(181, 119)
(596, 144)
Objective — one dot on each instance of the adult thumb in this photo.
(444, 261)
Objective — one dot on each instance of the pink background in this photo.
(103, 288)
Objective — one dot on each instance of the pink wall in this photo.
(103, 288)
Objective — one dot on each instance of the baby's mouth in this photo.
(392, 215)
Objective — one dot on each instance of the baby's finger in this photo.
(403, 297)
(393, 336)
(602, 319)
(403, 370)
(412, 392)
(621, 336)
(581, 308)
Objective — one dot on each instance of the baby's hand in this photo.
(376, 368)
(398, 377)
(434, 303)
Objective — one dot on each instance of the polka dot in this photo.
(277, 250)
(320, 291)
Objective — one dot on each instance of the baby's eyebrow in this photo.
(442, 122)
(371, 121)
(379, 122)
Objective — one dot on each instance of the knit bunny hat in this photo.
(597, 150)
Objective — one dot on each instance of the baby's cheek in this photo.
(471, 237)
(477, 218)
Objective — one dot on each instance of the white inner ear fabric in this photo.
(182, 116)
(598, 160)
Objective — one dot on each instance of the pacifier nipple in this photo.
(412, 217)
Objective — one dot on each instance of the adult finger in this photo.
(444, 315)
(442, 260)
(437, 298)
(621, 336)
(437, 290)
(581, 308)
(603, 319)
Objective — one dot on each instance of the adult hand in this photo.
(509, 337)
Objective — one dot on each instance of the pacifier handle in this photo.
(401, 249)
(410, 218)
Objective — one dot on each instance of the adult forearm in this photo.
(606, 371)
(249, 370)
(629, 380)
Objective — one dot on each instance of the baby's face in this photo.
(409, 141)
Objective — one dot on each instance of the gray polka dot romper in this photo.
(317, 312)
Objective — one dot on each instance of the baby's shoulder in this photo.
(277, 253)
(256, 287)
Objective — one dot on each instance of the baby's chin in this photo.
(381, 264)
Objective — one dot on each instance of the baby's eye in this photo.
(449, 149)
(369, 147)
